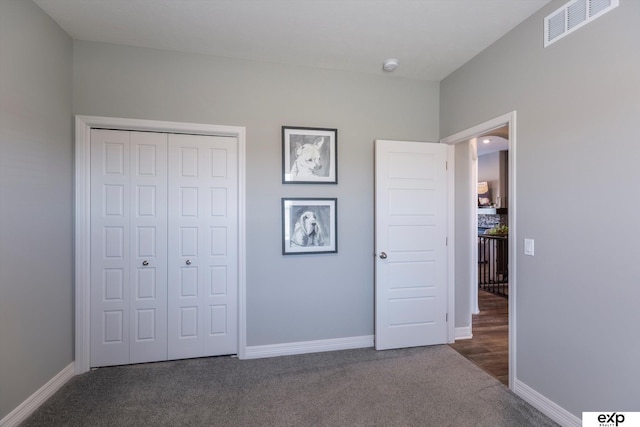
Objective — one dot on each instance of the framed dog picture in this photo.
(309, 155)
(309, 226)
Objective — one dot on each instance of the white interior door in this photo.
(164, 246)
(203, 250)
(411, 244)
(148, 291)
(128, 247)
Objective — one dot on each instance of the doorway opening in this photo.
(485, 236)
(489, 346)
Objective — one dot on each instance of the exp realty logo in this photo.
(611, 419)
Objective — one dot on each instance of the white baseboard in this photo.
(464, 333)
(34, 401)
(546, 406)
(287, 349)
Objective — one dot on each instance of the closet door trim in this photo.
(82, 239)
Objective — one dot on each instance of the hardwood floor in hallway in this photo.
(489, 347)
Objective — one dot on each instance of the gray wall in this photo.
(36, 292)
(289, 298)
(464, 155)
(489, 171)
(577, 178)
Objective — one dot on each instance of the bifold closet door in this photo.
(203, 250)
(128, 247)
(164, 246)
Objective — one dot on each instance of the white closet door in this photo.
(203, 252)
(109, 247)
(148, 291)
(128, 247)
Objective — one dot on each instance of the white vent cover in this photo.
(572, 16)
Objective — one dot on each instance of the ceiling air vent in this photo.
(572, 16)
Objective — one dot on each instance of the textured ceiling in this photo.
(430, 38)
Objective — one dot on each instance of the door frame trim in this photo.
(82, 217)
(464, 136)
(451, 245)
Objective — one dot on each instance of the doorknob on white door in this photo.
(145, 262)
(188, 262)
(383, 255)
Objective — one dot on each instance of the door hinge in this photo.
(446, 241)
(446, 318)
(446, 166)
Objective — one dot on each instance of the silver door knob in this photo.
(188, 262)
(383, 255)
(145, 262)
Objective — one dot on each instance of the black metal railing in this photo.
(493, 264)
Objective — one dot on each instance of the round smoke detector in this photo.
(390, 65)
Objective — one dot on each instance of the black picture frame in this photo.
(309, 155)
(309, 225)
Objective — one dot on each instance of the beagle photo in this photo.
(309, 225)
(307, 231)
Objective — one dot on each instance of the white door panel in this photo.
(128, 205)
(203, 230)
(149, 241)
(411, 231)
(110, 233)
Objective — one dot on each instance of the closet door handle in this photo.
(188, 262)
(145, 262)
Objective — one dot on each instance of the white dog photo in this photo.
(309, 155)
(307, 158)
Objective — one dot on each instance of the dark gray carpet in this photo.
(427, 386)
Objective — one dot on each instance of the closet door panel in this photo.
(185, 225)
(128, 247)
(221, 280)
(202, 248)
(148, 291)
(110, 233)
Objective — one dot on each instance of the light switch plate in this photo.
(528, 247)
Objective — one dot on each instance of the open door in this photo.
(411, 267)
